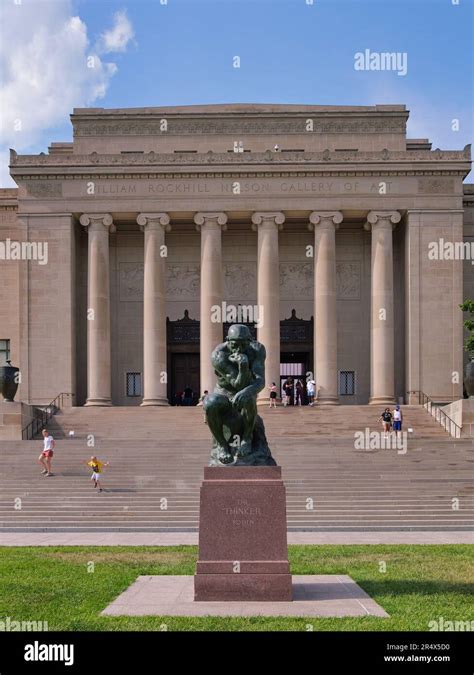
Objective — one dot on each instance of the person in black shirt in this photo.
(188, 396)
(386, 418)
(289, 388)
(299, 393)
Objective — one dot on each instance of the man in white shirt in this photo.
(48, 451)
(397, 420)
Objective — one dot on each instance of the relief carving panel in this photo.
(433, 185)
(43, 188)
(240, 281)
(348, 280)
(182, 281)
(130, 279)
(296, 281)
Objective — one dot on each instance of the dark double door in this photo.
(184, 373)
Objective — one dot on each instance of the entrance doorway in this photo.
(294, 365)
(184, 375)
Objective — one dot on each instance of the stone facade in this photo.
(328, 232)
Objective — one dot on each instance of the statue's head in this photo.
(238, 337)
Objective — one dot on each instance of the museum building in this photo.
(344, 245)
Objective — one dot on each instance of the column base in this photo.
(154, 401)
(327, 400)
(99, 402)
(382, 400)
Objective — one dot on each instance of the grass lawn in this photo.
(420, 584)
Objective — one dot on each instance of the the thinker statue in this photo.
(231, 411)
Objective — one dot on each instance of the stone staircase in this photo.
(156, 468)
(150, 423)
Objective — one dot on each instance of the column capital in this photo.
(325, 218)
(383, 218)
(268, 217)
(97, 220)
(218, 218)
(154, 221)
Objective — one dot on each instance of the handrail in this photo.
(43, 415)
(439, 415)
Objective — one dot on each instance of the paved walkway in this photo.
(191, 538)
(313, 595)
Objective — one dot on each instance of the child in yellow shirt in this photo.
(96, 465)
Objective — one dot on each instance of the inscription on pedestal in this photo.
(243, 514)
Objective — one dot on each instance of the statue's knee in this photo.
(215, 402)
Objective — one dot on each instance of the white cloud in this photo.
(116, 38)
(49, 67)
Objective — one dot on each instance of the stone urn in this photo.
(469, 378)
(9, 381)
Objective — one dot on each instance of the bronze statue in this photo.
(231, 411)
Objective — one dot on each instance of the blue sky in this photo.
(290, 51)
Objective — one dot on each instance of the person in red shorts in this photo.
(47, 455)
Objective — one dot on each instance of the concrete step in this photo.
(351, 490)
(178, 422)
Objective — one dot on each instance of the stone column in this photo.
(268, 294)
(154, 225)
(382, 365)
(98, 309)
(325, 224)
(212, 291)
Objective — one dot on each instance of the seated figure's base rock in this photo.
(260, 454)
(243, 551)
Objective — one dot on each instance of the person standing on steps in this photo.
(47, 455)
(284, 397)
(310, 390)
(299, 393)
(397, 420)
(201, 402)
(188, 396)
(273, 395)
(386, 418)
(289, 388)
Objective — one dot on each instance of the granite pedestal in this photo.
(243, 550)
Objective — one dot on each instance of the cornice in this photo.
(140, 175)
(268, 157)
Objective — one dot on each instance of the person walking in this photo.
(386, 418)
(397, 420)
(96, 465)
(273, 395)
(310, 390)
(47, 455)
